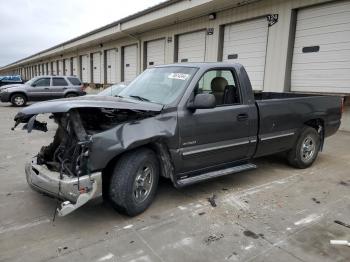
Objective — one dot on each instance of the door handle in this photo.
(242, 117)
(64, 88)
(46, 88)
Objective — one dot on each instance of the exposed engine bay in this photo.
(69, 151)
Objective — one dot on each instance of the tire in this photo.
(18, 100)
(134, 181)
(305, 151)
(70, 95)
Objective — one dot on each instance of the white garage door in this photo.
(155, 51)
(96, 67)
(130, 62)
(67, 67)
(321, 58)
(245, 43)
(85, 68)
(75, 66)
(60, 67)
(111, 70)
(191, 47)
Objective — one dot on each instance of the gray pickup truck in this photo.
(184, 122)
(42, 88)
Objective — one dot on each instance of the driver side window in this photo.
(42, 82)
(222, 84)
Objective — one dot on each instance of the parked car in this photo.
(185, 122)
(10, 80)
(42, 88)
(113, 90)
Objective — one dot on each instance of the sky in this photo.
(30, 26)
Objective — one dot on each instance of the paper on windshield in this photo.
(178, 76)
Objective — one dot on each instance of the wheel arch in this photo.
(18, 93)
(318, 125)
(162, 153)
(71, 92)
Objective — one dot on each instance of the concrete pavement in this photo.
(274, 213)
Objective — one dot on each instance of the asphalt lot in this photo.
(274, 213)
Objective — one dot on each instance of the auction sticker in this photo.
(178, 76)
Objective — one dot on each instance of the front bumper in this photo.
(4, 97)
(74, 191)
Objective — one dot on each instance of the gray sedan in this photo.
(42, 88)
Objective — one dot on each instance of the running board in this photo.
(223, 172)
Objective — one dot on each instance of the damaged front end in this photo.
(63, 169)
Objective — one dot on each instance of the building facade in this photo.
(285, 45)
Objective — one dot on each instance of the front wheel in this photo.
(18, 100)
(305, 151)
(134, 181)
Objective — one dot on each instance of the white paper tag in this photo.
(179, 76)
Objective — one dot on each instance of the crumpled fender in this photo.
(111, 143)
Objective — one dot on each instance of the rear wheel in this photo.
(18, 100)
(71, 95)
(134, 181)
(305, 151)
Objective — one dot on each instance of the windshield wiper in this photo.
(140, 98)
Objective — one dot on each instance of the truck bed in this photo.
(282, 115)
(274, 95)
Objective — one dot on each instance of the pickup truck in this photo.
(185, 122)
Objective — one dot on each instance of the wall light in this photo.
(212, 16)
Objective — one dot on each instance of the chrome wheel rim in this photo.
(19, 100)
(308, 149)
(143, 183)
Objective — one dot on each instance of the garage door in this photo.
(75, 66)
(191, 47)
(85, 69)
(60, 67)
(130, 63)
(321, 58)
(67, 67)
(96, 67)
(155, 53)
(245, 43)
(111, 63)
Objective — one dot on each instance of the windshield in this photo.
(161, 85)
(31, 81)
(113, 90)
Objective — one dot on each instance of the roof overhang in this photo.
(166, 13)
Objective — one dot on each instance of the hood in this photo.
(10, 86)
(92, 101)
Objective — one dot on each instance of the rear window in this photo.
(74, 81)
(59, 81)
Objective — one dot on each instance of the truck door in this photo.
(221, 135)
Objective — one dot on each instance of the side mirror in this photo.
(203, 101)
(33, 85)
